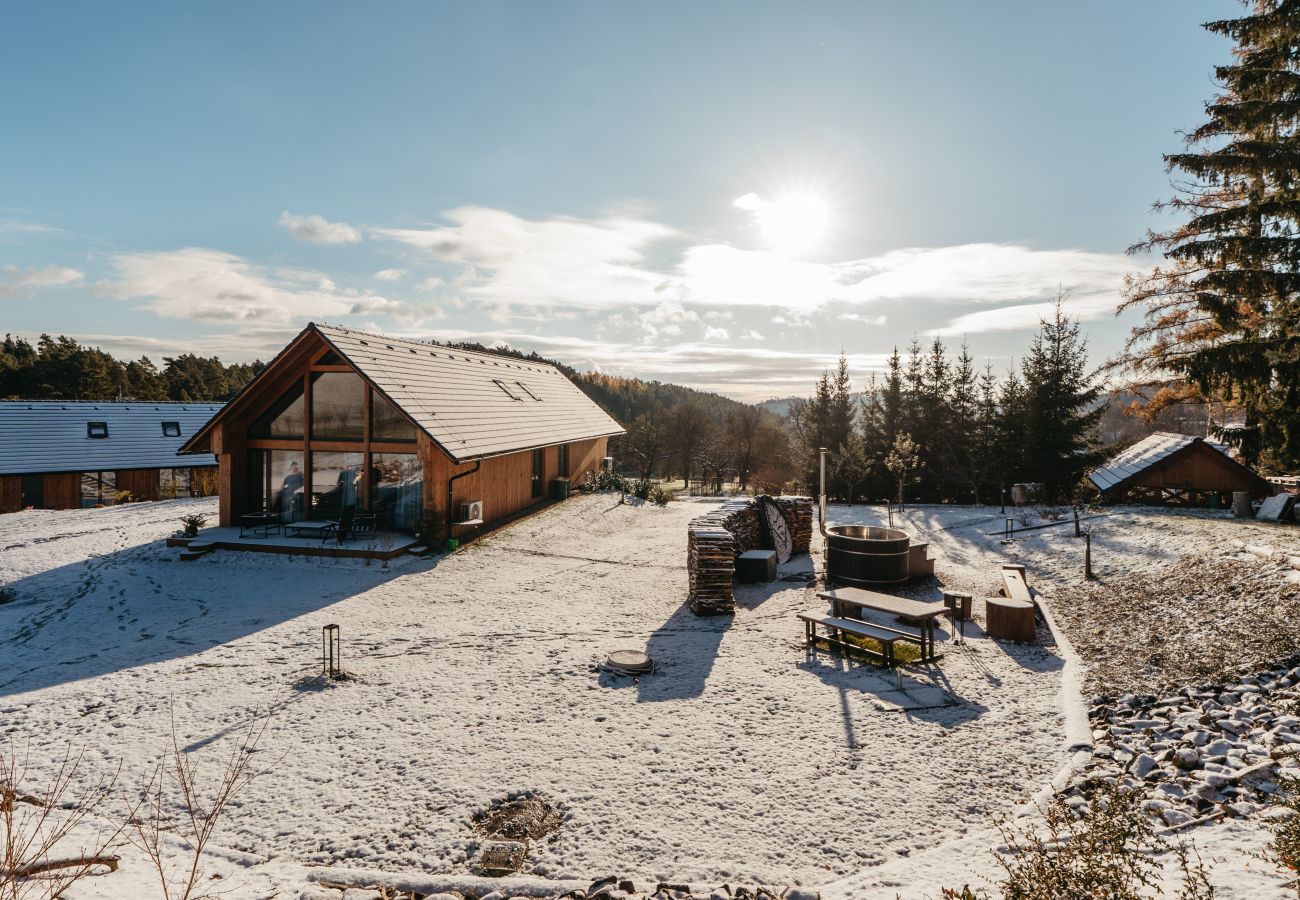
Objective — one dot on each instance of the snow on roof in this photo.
(474, 404)
(58, 435)
(1145, 453)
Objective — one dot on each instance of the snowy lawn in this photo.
(743, 758)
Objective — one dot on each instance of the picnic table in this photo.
(850, 601)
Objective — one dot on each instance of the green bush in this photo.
(604, 480)
(661, 496)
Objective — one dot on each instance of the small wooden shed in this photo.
(1176, 470)
(68, 454)
(401, 429)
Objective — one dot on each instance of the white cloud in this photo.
(198, 283)
(561, 261)
(319, 230)
(866, 320)
(713, 333)
(604, 263)
(1026, 316)
(15, 281)
(390, 274)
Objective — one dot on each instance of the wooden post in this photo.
(1077, 532)
(1087, 555)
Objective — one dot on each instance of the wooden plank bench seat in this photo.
(837, 627)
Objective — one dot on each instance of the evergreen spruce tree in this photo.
(961, 469)
(1010, 443)
(1223, 312)
(1061, 409)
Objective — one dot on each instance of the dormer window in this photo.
(171, 429)
(506, 389)
(96, 429)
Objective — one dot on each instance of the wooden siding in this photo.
(503, 483)
(1200, 468)
(142, 483)
(63, 491)
(11, 493)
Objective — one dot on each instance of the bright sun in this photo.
(793, 223)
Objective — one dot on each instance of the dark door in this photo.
(33, 491)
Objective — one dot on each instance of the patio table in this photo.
(849, 602)
(260, 523)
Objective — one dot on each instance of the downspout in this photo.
(821, 497)
(450, 482)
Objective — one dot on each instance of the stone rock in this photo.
(1175, 817)
(362, 894)
(1186, 758)
(316, 893)
(1252, 777)
(1143, 765)
(801, 894)
(497, 858)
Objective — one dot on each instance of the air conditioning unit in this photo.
(471, 511)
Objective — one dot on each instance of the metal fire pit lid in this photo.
(629, 661)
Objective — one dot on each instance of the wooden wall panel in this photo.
(503, 483)
(63, 491)
(142, 483)
(11, 493)
(1202, 469)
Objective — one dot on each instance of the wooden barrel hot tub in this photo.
(866, 555)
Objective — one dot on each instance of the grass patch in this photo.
(863, 648)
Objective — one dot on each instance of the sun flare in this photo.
(791, 224)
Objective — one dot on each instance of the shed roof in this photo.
(53, 436)
(473, 405)
(1151, 450)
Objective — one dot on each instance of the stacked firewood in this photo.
(712, 566)
(718, 537)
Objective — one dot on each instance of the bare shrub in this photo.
(1109, 852)
(33, 826)
(151, 817)
(1285, 846)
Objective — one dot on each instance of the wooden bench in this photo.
(838, 627)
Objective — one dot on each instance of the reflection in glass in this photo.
(284, 419)
(338, 406)
(98, 488)
(397, 490)
(277, 483)
(386, 423)
(337, 480)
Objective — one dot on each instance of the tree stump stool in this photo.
(959, 604)
(1009, 620)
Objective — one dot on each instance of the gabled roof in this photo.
(473, 405)
(52, 435)
(1151, 450)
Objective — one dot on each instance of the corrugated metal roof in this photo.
(474, 404)
(51, 435)
(1145, 453)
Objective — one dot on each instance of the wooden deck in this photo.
(387, 545)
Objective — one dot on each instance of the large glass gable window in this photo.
(284, 419)
(338, 406)
(386, 423)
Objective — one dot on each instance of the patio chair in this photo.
(340, 529)
(363, 526)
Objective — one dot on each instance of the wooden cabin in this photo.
(1176, 470)
(401, 429)
(67, 454)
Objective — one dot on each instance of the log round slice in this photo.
(631, 661)
(776, 529)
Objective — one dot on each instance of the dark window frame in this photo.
(539, 466)
(505, 389)
(562, 460)
(527, 390)
(97, 430)
(171, 429)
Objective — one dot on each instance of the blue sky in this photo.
(720, 194)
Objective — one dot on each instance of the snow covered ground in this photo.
(742, 759)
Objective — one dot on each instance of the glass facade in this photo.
(386, 423)
(98, 488)
(562, 460)
(337, 480)
(338, 406)
(396, 490)
(276, 483)
(284, 419)
(173, 483)
(539, 459)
